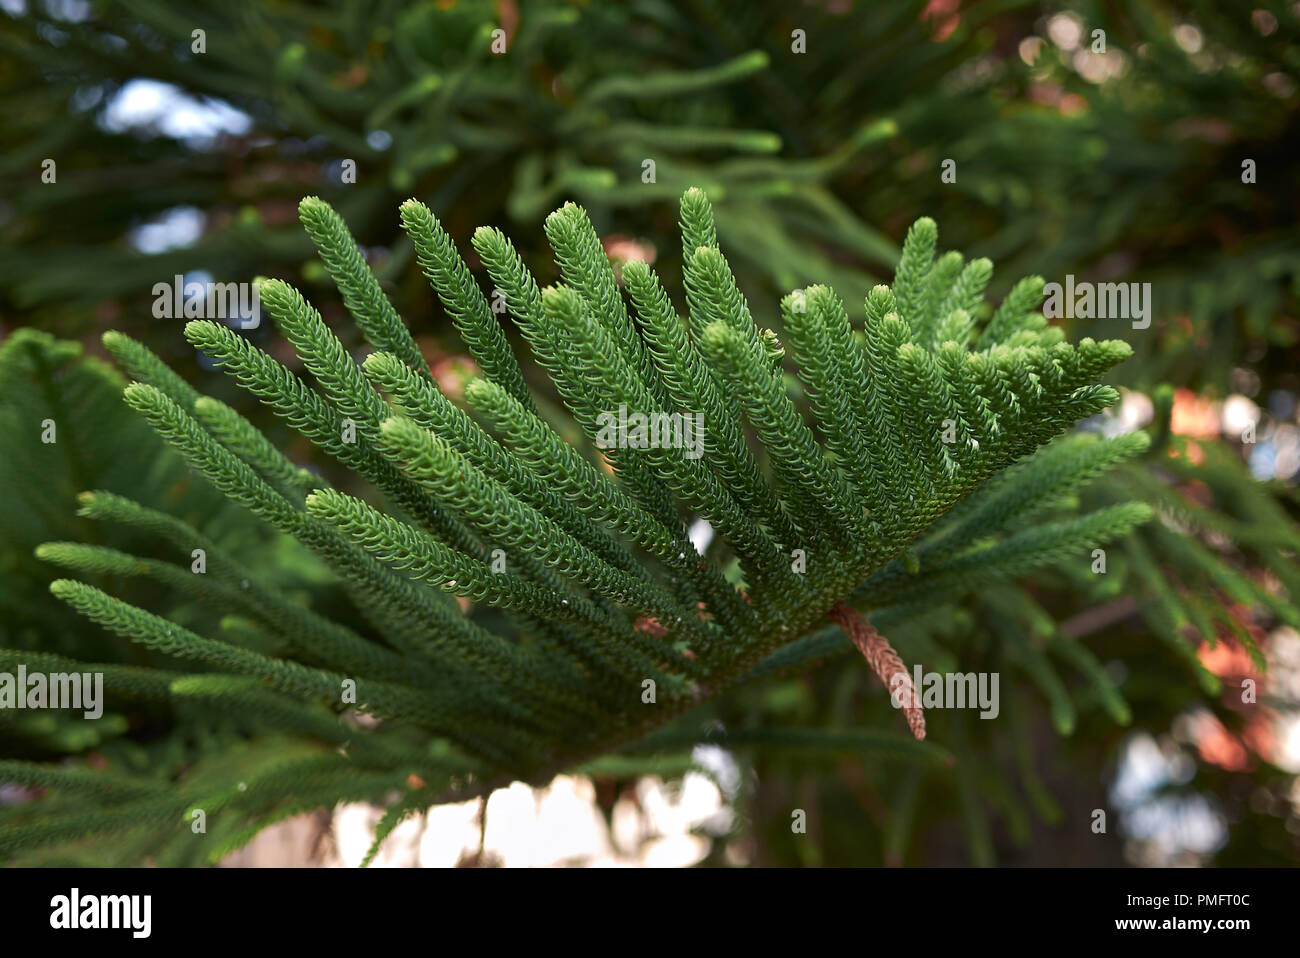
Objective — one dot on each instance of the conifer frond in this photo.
(361, 292)
(463, 300)
(590, 619)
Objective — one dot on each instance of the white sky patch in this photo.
(701, 534)
(720, 763)
(177, 228)
(1169, 825)
(71, 11)
(559, 825)
(151, 106)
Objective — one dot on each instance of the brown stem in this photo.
(884, 661)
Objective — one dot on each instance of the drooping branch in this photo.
(884, 661)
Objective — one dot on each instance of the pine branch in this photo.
(463, 300)
(619, 624)
(362, 295)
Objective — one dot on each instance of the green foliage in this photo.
(1067, 160)
(814, 163)
(583, 588)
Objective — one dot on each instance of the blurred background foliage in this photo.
(1114, 158)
